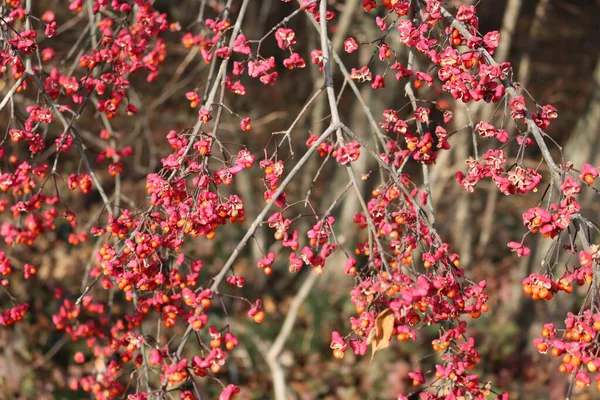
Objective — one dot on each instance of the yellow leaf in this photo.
(381, 333)
(2, 84)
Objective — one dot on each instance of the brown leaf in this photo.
(381, 334)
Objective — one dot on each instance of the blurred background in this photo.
(553, 47)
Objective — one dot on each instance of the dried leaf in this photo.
(2, 84)
(371, 336)
(381, 334)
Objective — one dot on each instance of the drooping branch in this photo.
(257, 221)
(558, 175)
(511, 90)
